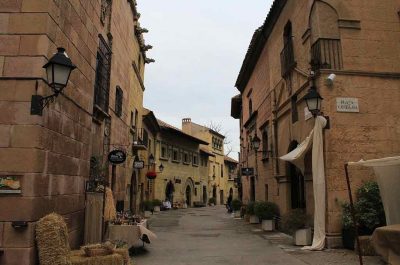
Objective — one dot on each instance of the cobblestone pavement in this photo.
(209, 236)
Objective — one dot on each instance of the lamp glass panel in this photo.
(61, 75)
(49, 72)
(312, 104)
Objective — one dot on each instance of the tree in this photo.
(217, 127)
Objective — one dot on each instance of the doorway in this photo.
(204, 194)
(215, 192)
(133, 192)
(169, 192)
(188, 196)
(297, 184)
(252, 189)
(221, 197)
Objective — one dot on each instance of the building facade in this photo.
(232, 170)
(218, 181)
(184, 177)
(50, 157)
(356, 41)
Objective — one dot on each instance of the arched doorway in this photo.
(169, 192)
(231, 192)
(204, 194)
(252, 189)
(188, 193)
(297, 184)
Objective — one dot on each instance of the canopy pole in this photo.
(353, 213)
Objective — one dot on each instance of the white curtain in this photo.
(387, 171)
(315, 139)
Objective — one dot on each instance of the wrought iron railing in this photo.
(327, 54)
(141, 138)
(287, 58)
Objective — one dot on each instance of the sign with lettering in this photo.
(10, 185)
(117, 156)
(138, 164)
(247, 171)
(347, 105)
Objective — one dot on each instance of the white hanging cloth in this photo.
(296, 157)
(387, 171)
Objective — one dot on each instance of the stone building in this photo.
(184, 177)
(232, 170)
(357, 41)
(49, 157)
(218, 183)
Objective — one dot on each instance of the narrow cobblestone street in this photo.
(210, 236)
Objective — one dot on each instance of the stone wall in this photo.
(51, 153)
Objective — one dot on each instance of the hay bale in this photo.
(78, 257)
(52, 240)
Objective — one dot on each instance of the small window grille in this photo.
(119, 96)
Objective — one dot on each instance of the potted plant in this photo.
(369, 213)
(236, 205)
(147, 207)
(295, 223)
(157, 205)
(266, 211)
(250, 211)
(212, 201)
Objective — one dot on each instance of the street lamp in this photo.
(151, 160)
(58, 71)
(161, 168)
(313, 100)
(256, 143)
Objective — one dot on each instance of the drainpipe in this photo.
(275, 128)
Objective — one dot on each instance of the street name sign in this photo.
(347, 105)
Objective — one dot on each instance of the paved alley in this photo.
(209, 235)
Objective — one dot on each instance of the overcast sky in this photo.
(199, 47)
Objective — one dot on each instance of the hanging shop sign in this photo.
(10, 185)
(117, 156)
(347, 105)
(247, 171)
(138, 164)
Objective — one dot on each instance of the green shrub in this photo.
(294, 220)
(250, 208)
(236, 204)
(157, 202)
(266, 210)
(212, 200)
(368, 207)
(147, 205)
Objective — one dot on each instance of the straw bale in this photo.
(78, 257)
(110, 213)
(52, 240)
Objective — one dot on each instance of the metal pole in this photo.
(353, 213)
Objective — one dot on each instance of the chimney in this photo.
(187, 125)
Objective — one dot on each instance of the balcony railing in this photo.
(287, 58)
(140, 139)
(327, 54)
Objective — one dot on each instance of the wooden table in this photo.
(386, 241)
(127, 233)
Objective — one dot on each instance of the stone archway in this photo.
(188, 191)
(169, 192)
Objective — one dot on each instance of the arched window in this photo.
(265, 143)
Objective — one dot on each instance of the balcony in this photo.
(140, 140)
(287, 58)
(327, 54)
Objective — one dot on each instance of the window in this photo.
(131, 118)
(222, 171)
(185, 158)
(119, 96)
(287, 55)
(195, 159)
(136, 117)
(164, 152)
(295, 114)
(265, 143)
(250, 107)
(175, 155)
(102, 81)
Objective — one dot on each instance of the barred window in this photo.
(103, 69)
(119, 96)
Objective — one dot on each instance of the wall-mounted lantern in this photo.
(58, 71)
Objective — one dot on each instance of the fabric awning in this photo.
(387, 171)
